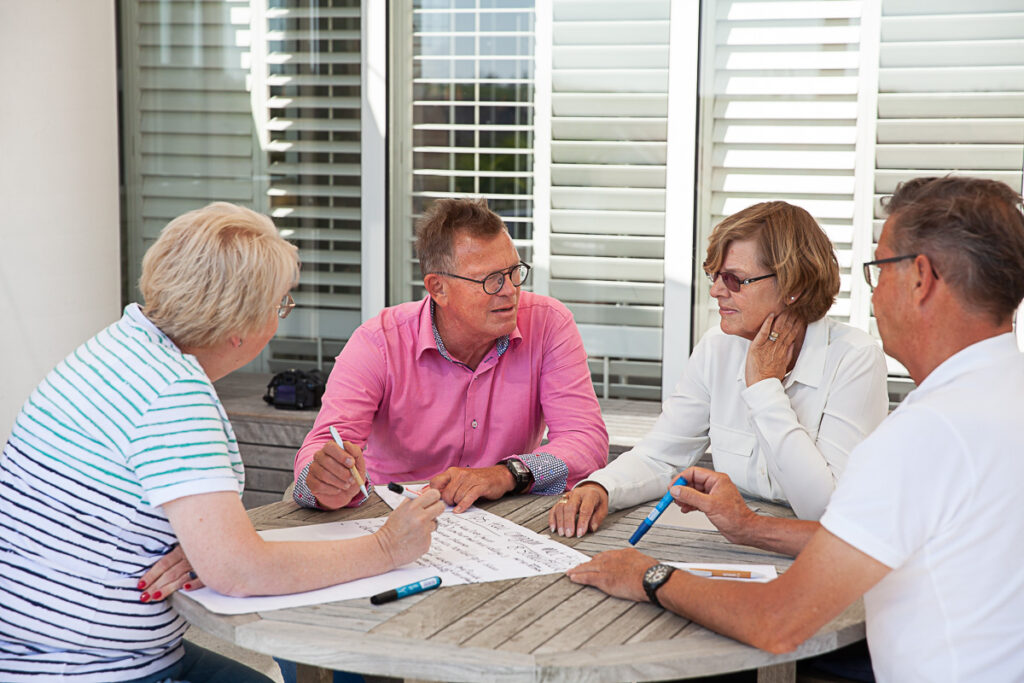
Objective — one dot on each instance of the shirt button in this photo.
(474, 424)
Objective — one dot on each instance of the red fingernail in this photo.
(188, 586)
(157, 595)
(142, 584)
(144, 597)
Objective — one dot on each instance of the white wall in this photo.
(59, 235)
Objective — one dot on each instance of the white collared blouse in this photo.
(786, 441)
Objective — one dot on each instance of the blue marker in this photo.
(405, 591)
(650, 519)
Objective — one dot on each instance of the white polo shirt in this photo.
(935, 494)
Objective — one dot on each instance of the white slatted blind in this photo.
(609, 96)
(256, 103)
(780, 121)
(189, 136)
(470, 111)
(311, 77)
(950, 95)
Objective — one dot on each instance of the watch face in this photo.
(657, 574)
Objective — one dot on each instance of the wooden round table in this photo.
(542, 628)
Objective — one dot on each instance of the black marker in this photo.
(405, 591)
(401, 490)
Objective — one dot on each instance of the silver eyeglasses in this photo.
(493, 283)
(286, 306)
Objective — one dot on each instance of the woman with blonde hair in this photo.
(780, 393)
(121, 479)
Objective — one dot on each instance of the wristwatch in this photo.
(655, 578)
(521, 473)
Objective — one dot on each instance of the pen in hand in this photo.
(353, 470)
(652, 517)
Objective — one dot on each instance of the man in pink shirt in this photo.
(459, 387)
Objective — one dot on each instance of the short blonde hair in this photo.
(792, 245)
(216, 272)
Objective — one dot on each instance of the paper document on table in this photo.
(473, 547)
(755, 573)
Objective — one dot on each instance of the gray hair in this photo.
(972, 229)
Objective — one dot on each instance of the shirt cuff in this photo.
(305, 498)
(549, 473)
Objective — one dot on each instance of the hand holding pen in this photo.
(652, 517)
(336, 474)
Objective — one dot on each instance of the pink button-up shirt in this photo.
(416, 413)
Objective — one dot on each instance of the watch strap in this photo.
(520, 473)
(654, 578)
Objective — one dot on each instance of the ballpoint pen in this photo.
(353, 470)
(652, 517)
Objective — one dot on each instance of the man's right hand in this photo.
(579, 511)
(406, 533)
(330, 478)
(714, 494)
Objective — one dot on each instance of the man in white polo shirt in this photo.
(926, 522)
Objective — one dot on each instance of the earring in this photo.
(239, 344)
(792, 298)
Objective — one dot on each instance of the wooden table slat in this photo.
(499, 605)
(522, 616)
(564, 616)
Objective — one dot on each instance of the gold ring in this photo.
(773, 335)
(563, 499)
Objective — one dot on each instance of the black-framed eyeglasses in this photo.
(286, 306)
(493, 283)
(733, 283)
(872, 269)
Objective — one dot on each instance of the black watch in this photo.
(655, 578)
(521, 473)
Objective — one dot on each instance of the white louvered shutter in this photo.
(258, 104)
(188, 124)
(469, 110)
(780, 121)
(609, 95)
(950, 94)
(309, 75)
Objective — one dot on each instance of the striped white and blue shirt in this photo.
(123, 425)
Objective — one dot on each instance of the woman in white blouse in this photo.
(780, 393)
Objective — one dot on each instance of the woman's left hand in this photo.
(171, 572)
(772, 349)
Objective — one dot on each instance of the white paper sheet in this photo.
(472, 547)
(760, 573)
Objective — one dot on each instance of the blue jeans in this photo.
(288, 673)
(200, 665)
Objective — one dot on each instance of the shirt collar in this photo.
(810, 364)
(430, 338)
(996, 350)
(133, 312)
